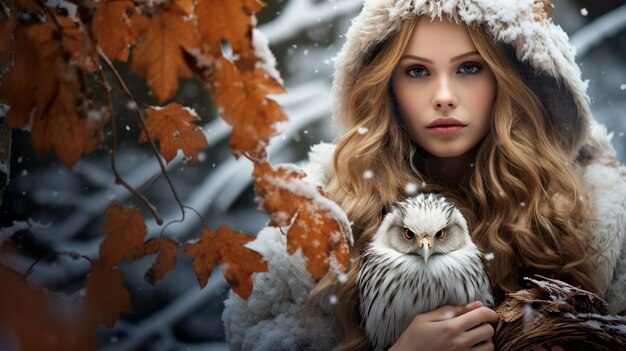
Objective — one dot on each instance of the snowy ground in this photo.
(176, 314)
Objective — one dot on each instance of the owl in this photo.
(421, 257)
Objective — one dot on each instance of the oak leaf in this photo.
(159, 57)
(106, 294)
(165, 262)
(316, 224)
(234, 24)
(243, 103)
(127, 231)
(226, 246)
(112, 28)
(173, 127)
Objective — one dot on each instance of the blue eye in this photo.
(469, 68)
(416, 71)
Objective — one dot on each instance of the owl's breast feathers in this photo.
(395, 287)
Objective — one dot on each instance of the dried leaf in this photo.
(38, 320)
(127, 232)
(159, 57)
(186, 5)
(165, 262)
(173, 127)
(113, 30)
(58, 121)
(106, 294)
(242, 97)
(226, 246)
(316, 225)
(234, 24)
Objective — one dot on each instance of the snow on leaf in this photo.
(165, 262)
(173, 127)
(243, 97)
(106, 294)
(233, 25)
(313, 219)
(226, 246)
(159, 56)
(127, 231)
(112, 29)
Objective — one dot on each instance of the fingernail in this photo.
(475, 304)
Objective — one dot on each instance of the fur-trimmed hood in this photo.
(523, 26)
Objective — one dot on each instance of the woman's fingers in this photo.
(477, 317)
(448, 312)
(486, 346)
(478, 335)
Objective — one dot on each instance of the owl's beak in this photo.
(425, 244)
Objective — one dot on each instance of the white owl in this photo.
(421, 257)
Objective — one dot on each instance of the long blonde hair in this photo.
(522, 201)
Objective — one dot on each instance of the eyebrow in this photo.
(455, 58)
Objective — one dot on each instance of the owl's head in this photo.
(424, 225)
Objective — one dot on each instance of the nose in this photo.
(444, 95)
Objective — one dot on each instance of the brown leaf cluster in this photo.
(553, 312)
(315, 224)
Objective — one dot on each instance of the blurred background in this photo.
(61, 210)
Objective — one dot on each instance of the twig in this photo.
(118, 177)
(71, 254)
(130, 96)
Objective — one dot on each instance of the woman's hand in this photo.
(450, 328)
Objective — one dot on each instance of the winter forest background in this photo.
(56, 209)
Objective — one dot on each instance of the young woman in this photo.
(482, 102)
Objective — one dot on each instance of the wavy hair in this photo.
(523, 200)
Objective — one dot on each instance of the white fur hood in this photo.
(524, 26)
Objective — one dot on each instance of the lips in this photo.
(446, 126)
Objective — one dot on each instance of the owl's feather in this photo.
(396, 282)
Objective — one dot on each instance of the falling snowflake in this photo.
(447, 315)
(489, 256)
(333, 299)
(368, 174)
(622, 87)
(410, 188)
(342, 278)
(584, 12)
(363, 130)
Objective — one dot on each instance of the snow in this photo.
(30, 224)
(584, 11)
(368, 174)
(410, 188)
(622, 87)
(489, 256)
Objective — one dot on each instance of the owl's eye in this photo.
(408, 234)
(441, 234)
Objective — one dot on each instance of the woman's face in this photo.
(444, 89)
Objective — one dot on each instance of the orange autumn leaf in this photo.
(186, 5)
(159, 56)
(242, 99)
(112, 28)
(76, 44)
(53, 108)
(226, 246)
(165, 262)
(174, 129)
(316, 224)
(106, 295)
(127, 231)
(233, 24)
(31, 316)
